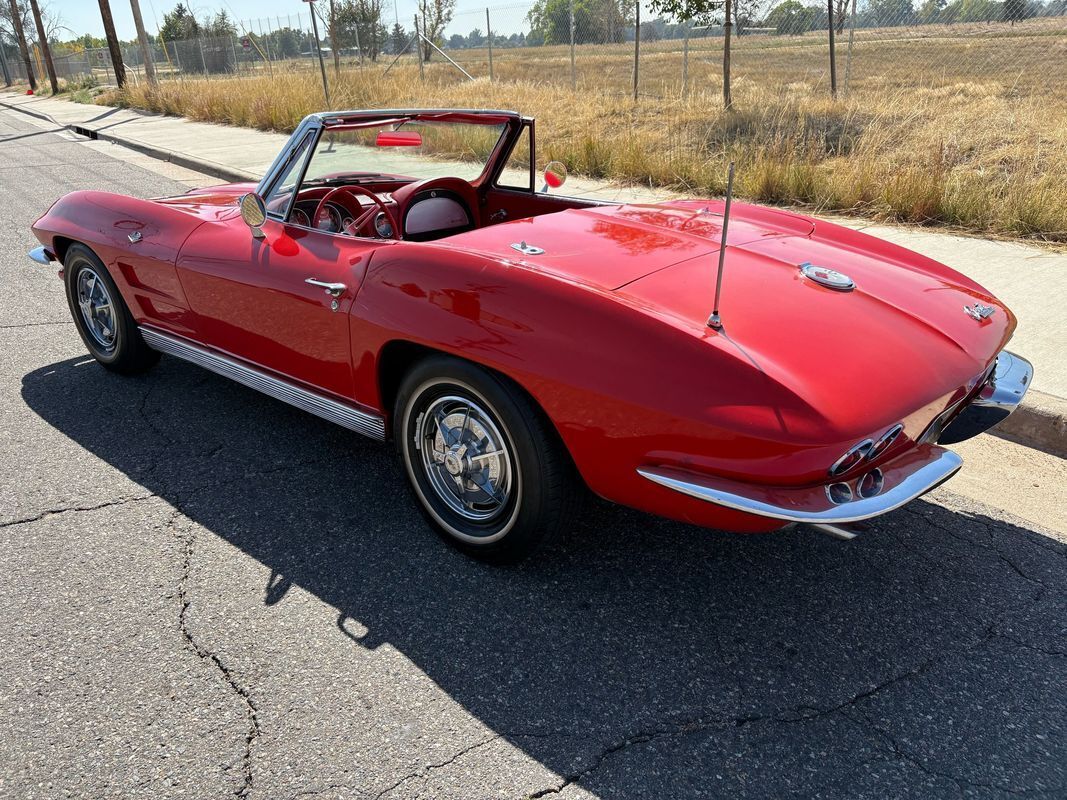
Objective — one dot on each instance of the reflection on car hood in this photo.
(609, 246)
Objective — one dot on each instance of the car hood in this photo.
(606, 247)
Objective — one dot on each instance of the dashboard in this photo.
(429, 214)
(335, 218)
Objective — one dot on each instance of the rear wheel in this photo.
(487, 470)
(101, 316)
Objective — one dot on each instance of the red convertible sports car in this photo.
(405, 274)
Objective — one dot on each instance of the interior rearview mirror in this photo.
(254, 212)
(555, 175)
(398, 139)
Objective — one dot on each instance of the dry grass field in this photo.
(964, 130)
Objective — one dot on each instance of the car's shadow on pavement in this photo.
(643, 658)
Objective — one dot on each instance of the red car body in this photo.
(606, 329)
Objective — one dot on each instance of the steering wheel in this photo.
(363, 218)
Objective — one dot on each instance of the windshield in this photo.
(412, 149)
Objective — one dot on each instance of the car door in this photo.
(280, 301)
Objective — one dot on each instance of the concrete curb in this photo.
(1039, 422)
(212, 168)
(181, 159)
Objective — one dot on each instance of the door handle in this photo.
(496, 216)
(332, 289)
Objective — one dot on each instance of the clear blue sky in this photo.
(83, 16)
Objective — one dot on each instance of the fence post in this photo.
(727, 29)
(833, 54)
(574, 75)
(637, 45)
(418, 47)
(203, 61)
(851, 34)
(233, 49)
(489, 34)
(318, 48)
(685, 60)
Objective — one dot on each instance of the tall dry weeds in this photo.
(971, 155)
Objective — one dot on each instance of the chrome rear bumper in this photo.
(41, 255)
(899, 482)
(998, 397)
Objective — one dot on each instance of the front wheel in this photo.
(101, 316)
(487, 470)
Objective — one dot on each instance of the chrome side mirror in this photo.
(555, 175)
(254, 213)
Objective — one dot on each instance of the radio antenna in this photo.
(714, 321)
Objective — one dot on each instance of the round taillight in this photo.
(853, 458)
(886, 439)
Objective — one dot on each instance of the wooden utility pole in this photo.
(46, 51)
(24, 51)
(727, 100)
(113, 43)
(142, 37)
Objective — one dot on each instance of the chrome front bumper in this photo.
(999, 396)
(898, 482)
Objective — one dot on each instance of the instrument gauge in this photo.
(382, 226)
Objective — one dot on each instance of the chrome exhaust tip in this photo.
(846, 531)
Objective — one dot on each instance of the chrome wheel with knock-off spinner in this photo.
(488, 471)
(465, 457)
(97, 309)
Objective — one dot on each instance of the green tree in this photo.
(1015, 10)
(932, 11)
(791, 18)
(434, 16)
(179, 24)
(595, 21)
(398, 38)
(890, 13)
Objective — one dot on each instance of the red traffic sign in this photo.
(246, 43)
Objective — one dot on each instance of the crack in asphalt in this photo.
(37, 324)
(1004, 558)
(77, 509)
(205, 654)
(686, 728)
(426, 770)
(802, 714)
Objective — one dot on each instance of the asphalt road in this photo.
(207, 593)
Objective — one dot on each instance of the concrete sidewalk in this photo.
(1030, 280)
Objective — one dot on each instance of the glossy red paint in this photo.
(606, 329)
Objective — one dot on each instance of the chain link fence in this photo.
(621, 46)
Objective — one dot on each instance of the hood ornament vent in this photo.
(527, 249)
(979, 311)
(830, 278)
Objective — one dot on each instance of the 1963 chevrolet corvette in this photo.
(403, 274)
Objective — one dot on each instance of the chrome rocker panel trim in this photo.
(372, 425)
(40, 255)
(998, 397)
(905, 478)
